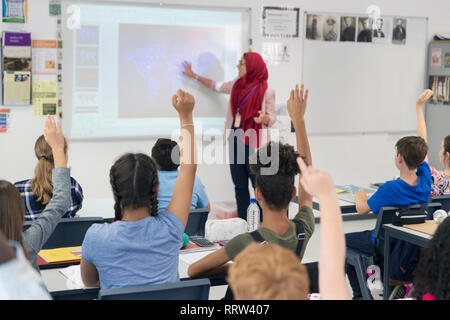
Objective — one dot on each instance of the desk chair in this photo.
(195, 289)
(69, 232)
(195, 225)
(361, 261)
(443, 199)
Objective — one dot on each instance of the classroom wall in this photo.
(356, 158)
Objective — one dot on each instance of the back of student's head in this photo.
(134, 182)
(413, 149)
(12, 212)
(432, 274)
(268, 272)
(41, 184)
(275, 167)
(166, 154)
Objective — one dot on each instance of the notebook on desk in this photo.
(350, 190)
(67, 254)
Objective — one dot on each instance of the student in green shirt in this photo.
(274, 192)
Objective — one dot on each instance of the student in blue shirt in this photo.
(142, 245)
(166, 154)
(413, 186)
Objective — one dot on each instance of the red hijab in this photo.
(250, 101)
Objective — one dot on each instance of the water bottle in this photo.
(253, 215)
(440, 215)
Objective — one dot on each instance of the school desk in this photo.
(408, 233)
(61, 287)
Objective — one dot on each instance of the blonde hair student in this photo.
(37, 192)
(268, 272)
(12, 206)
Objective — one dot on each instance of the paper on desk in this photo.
(73, 273)
(192, 257)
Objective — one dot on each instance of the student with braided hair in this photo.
(141, 247)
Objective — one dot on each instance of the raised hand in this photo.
(317, 183)
(361, 196)
(53, 133)
(424, 97)
(54, 137)
(188, 69)
(184, 103)
(297, 102)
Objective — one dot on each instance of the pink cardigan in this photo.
(268, 106)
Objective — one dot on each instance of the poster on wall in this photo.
(17, 63)
(313, 27)
(44, 59)
(45, 98)
(348, 29)
(381, 32)
(330, 28)
(436, 58)
(15, 11)
(364, 29)
(275, 53)
(4, 119)
(280, 22)
(54, 7)
(399, 31)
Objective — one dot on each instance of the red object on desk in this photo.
(190, 245)
(42, 262)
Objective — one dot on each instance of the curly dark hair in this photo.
(277, 186)
(432, 273)
(134, 182)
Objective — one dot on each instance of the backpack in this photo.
(312, 268)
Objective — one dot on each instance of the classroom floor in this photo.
(312, 249)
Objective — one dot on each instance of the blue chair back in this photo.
(192, 289)
(195, 225)
(69, 232)
(444, 200)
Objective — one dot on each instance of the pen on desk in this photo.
(221, 243)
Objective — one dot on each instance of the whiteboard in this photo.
(123, 62)
(360, 87)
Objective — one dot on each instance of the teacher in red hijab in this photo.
(250, 115)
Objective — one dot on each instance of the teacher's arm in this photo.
(191, 74)
(222, 87)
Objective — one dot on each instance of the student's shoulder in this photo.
(74, 182)
(23, 184)
(305, 216)
(237, 244)
(424, 168)
(169, 218)
(304, 213)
